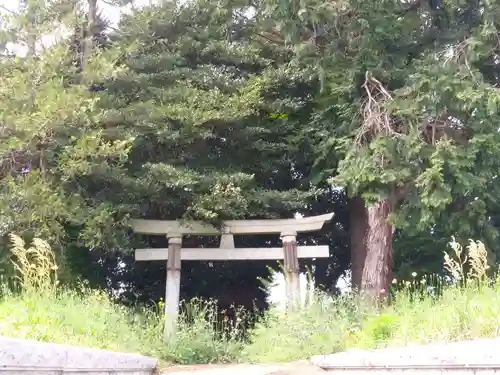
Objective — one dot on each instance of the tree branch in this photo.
(414, 6)
(8, 10)
(271, 37)
(401, 192)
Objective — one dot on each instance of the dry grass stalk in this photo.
(454, 264)
(476, 256)
(36, 266)
(478, 260)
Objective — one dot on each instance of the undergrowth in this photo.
(465, 305)
(42, 310)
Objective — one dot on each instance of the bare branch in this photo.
(376, 120)
(271, 37)
(8, 10)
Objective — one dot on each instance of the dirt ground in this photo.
(295, 368)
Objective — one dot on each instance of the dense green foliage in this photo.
(229, 109)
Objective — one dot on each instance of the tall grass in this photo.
(90, 318)
(35, 266)
(42, 310)
(467, 306)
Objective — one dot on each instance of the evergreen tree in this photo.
(194, 118)
(408, 107)
(225, 110)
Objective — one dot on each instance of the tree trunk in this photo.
(88, 33)
(358, 226)
(31, 38)
(31, 28)
(377, 272)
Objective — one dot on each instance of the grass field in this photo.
(46, 312)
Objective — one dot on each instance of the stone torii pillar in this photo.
(291, 268)
(173, 286)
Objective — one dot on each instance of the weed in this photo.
(35, 266)
(475, 258)
(425, 308)
(82, 316)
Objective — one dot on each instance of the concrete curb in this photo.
(464, 356)
(18, 356)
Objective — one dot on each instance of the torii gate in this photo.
(174, 230)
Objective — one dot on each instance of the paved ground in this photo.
(297, 368)
(444, 356)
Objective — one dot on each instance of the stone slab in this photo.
(29, 356)
(480, 353)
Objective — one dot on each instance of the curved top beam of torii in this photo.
(265, 226)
